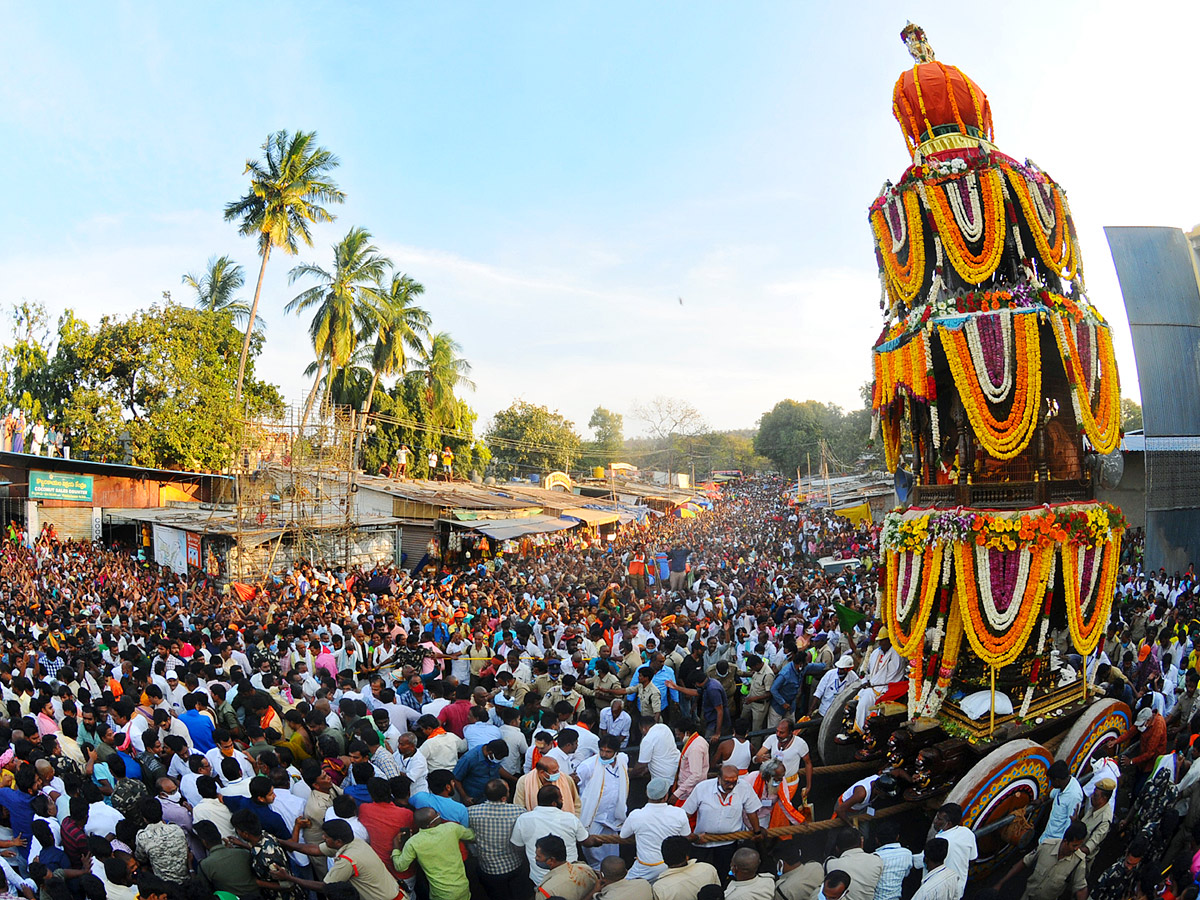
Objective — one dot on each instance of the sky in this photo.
(606, 202)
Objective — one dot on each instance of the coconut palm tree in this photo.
(399, 326)
(216, 289)
(344, 303)
(287, 189)
(443, 371)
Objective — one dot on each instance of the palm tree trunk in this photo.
(309, 402)
(371, 393)
(250, 323)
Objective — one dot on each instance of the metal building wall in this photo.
(1157, 272)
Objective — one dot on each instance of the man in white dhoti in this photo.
(604, 795)
(886, 674)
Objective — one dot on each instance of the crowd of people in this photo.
(569, 722)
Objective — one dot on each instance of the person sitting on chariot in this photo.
(885, 678)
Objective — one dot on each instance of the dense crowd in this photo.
(619, 720)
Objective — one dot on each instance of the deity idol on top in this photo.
(990, 349)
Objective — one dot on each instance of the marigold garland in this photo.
(1060, 255)
(903, 280)
(1001, 649)
(974, 268)
(1000, 439)
(907, 366)
(1086, 631)
(1102, 425)
(1092, 523)
(907, 637)
(931, 700)
(890, 426)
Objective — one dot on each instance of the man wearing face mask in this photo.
(546, 774)
(834, 887)
(798, 880)
(746, 883)
(722, 805)
(604, 780)
(548, 817)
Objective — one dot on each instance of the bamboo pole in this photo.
(992, 717)
(1085, 676)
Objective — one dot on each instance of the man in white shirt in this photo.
(940, 882)
(412, 763)
(604, 795)
(830, 685)
(615, 721)
(547, 818)
(225, 750)
(514, 763)
(441, 748)
(650, 825)
(886, 674)
(722, 805)
(658, 756)
(960, 844)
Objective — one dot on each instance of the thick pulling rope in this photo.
(783, 830)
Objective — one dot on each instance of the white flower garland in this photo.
(995, 393)
(905, 600)
(972, 230)
(936, 285)
(1046, 214)
(1000, 621)
(1041, 644)
(1087, 603)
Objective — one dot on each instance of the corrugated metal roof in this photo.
(1157, 272)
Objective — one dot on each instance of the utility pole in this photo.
(351, 482)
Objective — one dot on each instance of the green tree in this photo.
(526, 438)
(1131, 414)
(288, 187)
(443, 371)
(608, 428)
(791, 434)
(25, 362)
(216, 290)
(163, 376)
(343, 302)
(402, 416)
(399, 327)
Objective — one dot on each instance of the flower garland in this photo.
(1043, 630)
(1031, 297)
(903, 280)
(1096, 595)
(990, 340)
(973, 267)
(1060, 255)
(890, 425)
(1091, 523)
(908, 367)
(1011, 584)
(999, 641)
(1103, 424)
(909, 602)
(1008, 438)
(933, 697)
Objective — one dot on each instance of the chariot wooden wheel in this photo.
(829, 751)
(1102, 724)
(1007, 779)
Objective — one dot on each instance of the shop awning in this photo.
(511, 529)
(592, 517)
